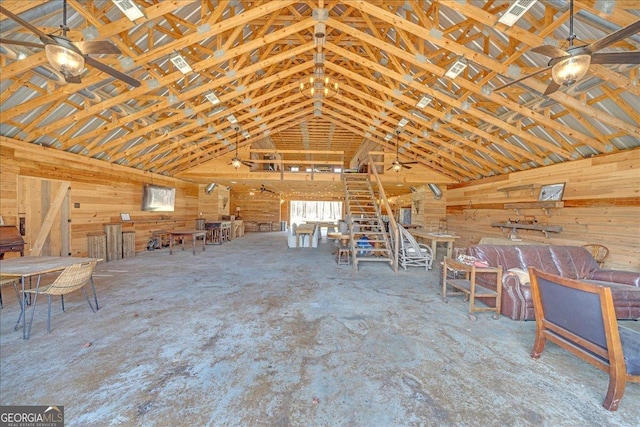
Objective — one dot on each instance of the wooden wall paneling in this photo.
(99, 193)
(256, 207)
(601, 205)
(9, 192)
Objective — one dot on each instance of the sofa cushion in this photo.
(573, 262)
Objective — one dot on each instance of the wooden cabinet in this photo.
(461, 278)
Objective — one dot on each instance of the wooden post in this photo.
(114, 241)
(97, 245)
(128, 244)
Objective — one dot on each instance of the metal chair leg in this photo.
(49, 314)
(84, 291)
(95, 295)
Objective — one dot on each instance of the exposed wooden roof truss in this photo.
(386, 56)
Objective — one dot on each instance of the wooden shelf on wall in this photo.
(545, 206)
(530, 187)
(546, 229)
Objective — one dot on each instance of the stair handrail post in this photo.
(393, 225)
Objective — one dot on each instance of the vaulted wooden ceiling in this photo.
(386, 55)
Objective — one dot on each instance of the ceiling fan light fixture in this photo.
(397, 166)
(236, 163)
(65, 60)
(570, 70)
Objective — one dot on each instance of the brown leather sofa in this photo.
(572, 262)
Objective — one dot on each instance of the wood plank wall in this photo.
(425, 210)
(99, 192)
(213, 205)
(256, 207)
(601, 205)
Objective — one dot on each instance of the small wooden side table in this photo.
(467, 285)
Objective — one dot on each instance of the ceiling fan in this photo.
(569, 66)
(236, 162)
(263, 189)
(67, 57)
(397, 165)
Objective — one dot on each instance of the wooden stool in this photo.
(343, 256)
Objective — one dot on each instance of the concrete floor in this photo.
(252, 333)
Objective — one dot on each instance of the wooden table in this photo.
(325, 224)
(468, 286)
(194, 236)
(344, 238)
(304, 229)
(37, 266)
(435, 238)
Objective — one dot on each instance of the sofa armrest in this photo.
(516, 298)
(617, 276)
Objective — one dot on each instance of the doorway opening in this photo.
(314, 211)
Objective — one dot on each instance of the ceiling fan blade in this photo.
(21, 43)
(246, 163)
(405, 166)
(27, 25)
(553, 87)
(111, 71)
(522, 78)
(622, 33)
(550, 51)
(72, 79)
(98, 47)
(409, 163)
(616, 57)
(389, 168)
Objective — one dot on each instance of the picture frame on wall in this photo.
(551, 192)
(125, 217)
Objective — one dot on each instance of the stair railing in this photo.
(394, 231)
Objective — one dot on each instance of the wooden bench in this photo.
(580, 317)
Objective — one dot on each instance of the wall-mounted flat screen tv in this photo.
(158, 199)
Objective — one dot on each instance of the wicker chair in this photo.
(71, 279)
(599, 252)
(412, 253)
(8, 281)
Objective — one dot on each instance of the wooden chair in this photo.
(71, 279)
(580, 318)
(599, 252)
(412, 253)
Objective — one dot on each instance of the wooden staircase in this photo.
(364, 219)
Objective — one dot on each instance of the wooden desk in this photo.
(304, 229)
(37, 266)
(435, 238)
(194, 236)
